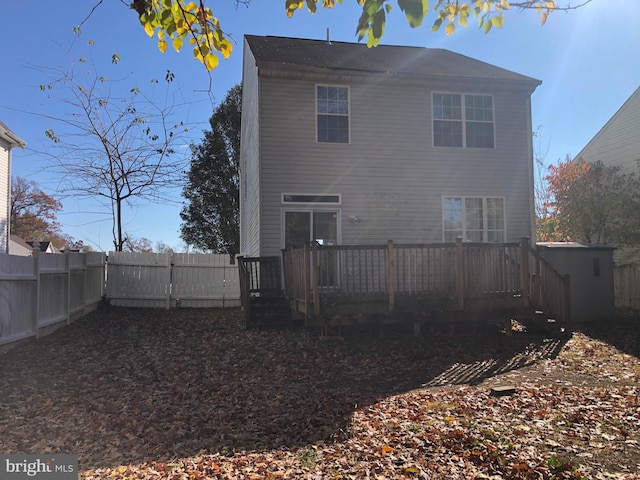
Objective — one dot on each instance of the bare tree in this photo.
(545, 223)
(119, 149)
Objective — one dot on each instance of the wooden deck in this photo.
(347, 284)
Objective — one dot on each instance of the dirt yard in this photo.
(188, 394)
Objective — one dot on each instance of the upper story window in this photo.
(332, 107)
(463, 120)
(475, 219)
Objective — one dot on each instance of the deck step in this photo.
(269, 312)
(537, 322)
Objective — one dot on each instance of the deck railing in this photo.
(456, 273)
(549, 290)
(259, 277)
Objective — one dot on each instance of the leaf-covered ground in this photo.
(188, 394)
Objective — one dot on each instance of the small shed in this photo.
(590, 268)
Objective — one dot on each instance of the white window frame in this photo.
(463, 118)
(485, 217)
(316, 207)
(348, 114)
(284, 201)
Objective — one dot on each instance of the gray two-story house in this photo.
(348, 145)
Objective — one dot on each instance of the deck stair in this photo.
(263, 299)
(537, 322)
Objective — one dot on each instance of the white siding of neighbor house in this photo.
(390, 176)
(5, 191)
(618, 143)
(249, 155)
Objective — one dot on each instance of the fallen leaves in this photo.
(187, 394)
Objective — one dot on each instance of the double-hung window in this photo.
(474, 219)
(463, 120)
(332, 107)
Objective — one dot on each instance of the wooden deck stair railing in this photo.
(460, 276)
(261, 291)
(549, 291)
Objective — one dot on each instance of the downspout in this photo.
(532, 210)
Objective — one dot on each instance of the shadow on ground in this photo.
(130, 385)
(622, 331)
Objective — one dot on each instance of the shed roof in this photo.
(575, 245)
(353, 58)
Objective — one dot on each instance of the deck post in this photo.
(315, 270)
(306, 260)
(460, 273)
(245, 300)
(390, 274)
(524, 270)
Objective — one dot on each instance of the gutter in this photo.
(11, 137)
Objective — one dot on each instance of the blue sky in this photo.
(588, 61)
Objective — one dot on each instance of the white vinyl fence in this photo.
(165, 280)
(626, 281)
(44, 290)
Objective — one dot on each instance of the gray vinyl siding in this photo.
(618, 143)
(390, 175)
(249, 159)
(5, 187)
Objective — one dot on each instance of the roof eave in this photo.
(287, 70)
(11, 138)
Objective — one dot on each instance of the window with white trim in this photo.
(463, 120)
(310, 198)
(474, 219)
(332, 107)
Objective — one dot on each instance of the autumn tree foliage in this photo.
(211, 215)
(591, 202)
(183, 23)
(33, 214)
(136, 245)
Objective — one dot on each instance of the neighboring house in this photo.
(8, 140)
(17, 246)
(45, 247)
(617, 144)
(618, 141)
(350, 145)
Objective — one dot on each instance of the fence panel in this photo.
(163, 280)
(53, 296)
(204, 281)
(38, 291)
(626, 281)
(138, 279)
(94, 277)
(18, 287)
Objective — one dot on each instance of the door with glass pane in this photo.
(301, 227)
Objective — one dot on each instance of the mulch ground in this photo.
(190, 394)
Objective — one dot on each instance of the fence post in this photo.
(524, 270)
(85, 281)
(306, 259)
(36, 273)
(315, 267)
(460, 273)
(390, 272)
(167, 291)
(67, 270)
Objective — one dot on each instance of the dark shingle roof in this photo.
(352, 58)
